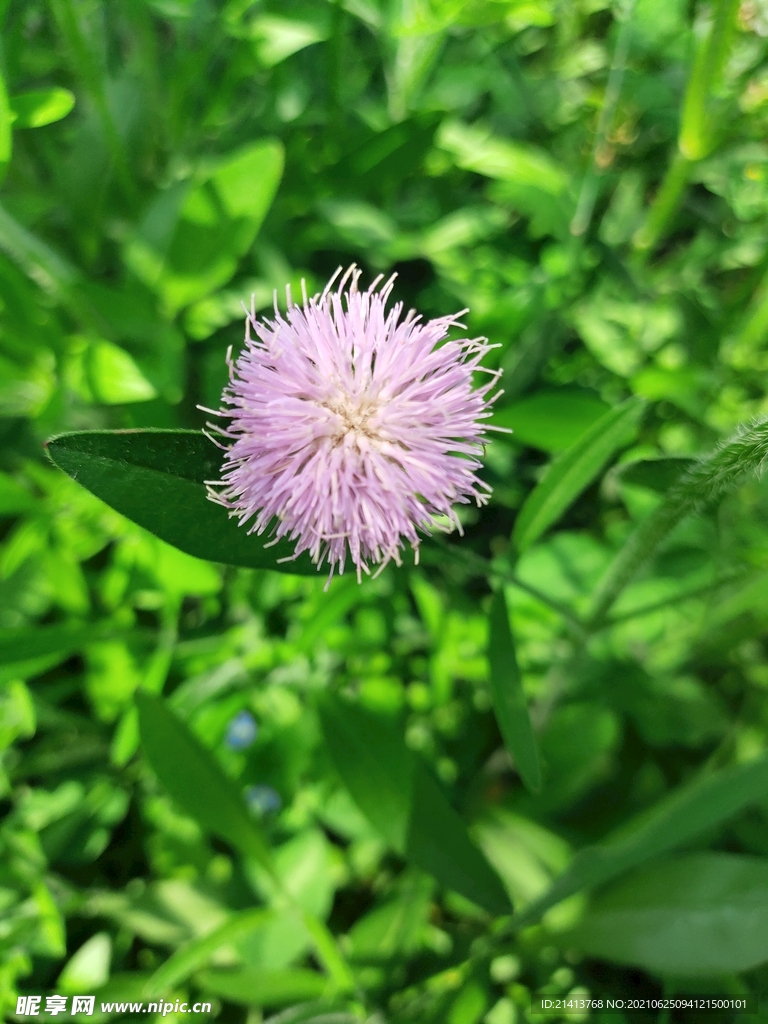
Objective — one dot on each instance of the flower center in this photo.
(354, 418)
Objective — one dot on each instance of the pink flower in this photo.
(353, 428)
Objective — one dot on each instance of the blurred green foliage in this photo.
(226, 783)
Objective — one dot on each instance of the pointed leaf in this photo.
(27, 642)
(6, 136)
(196, 953)
(695, 915)
(40, 107)
(31, 650)
(655, 474)
(509, 703)
(193, 235)
(88, 968)
(574, 470)
(676, 820)
(550, 419)
(257, 987)
(398, 795)
(476, 149)
(194, 779)
(156, 479)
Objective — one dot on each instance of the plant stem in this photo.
(586, 202)
(696, 135)
(664, 206)
(87, 68)
(505, 574)
(696, 138)
(738, 351)
(571, 620)
(656, 606)
(743, 454)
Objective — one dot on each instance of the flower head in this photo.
(352, 428)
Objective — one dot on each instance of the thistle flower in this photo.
(352, 428)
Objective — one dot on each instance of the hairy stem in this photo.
(712, 478)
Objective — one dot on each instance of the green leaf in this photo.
(525, 177)
(17, 712)
(551, 419)
(476, 149)
(114, 377)
(194, 779)
(264, 988)
(655, 474)
(750, 597)
(15, 499)
(316, 1012)
(574, 470)
(526, 855)
(695, 915)
(278, 38)
(692, 809)
(88, 968)
(344, 596)
(509, 703)
(193, 236)
(52, 931)
(6, 136)
(577, 745)
(398, 795)
(31, 650)
(40, 107)
(396, 927)
(196, 953)
(156, 479)
(17, 645)
(42, 264)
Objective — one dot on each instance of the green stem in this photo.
(86, 67)
(586, 202)
(6, 135)
(657, 606)
(571, 620)
(49, 271)
(712, 478)
(504, 573)
(664, 206)
(160, 662)
(696, 136)
(754, 329)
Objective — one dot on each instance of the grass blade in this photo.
(194, 954)
(509, 701)
(194, 779)
(574, 470)
(703, 804)
(396, 792)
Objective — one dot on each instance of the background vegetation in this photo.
(591, 180)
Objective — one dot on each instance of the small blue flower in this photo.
(263, 799)
(241, 731)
